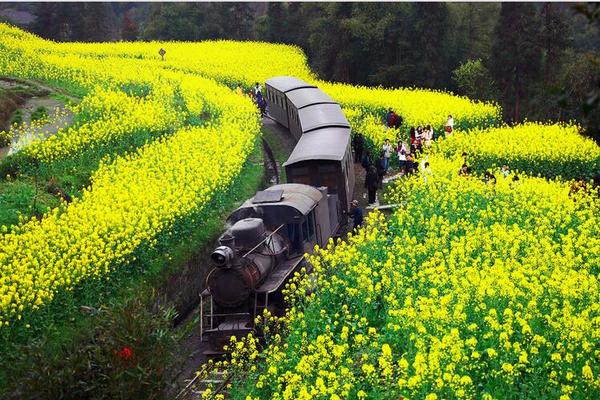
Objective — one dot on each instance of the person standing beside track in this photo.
(356, 213)
(387, 153)
(358, 142)
(372, 183)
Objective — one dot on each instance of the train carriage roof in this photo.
(289, 198)
(321, 115)
(304, 97)
(286, 83)
(321, 144)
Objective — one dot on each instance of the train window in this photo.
(300, 171)
(293, 231)
(328, 179)
(348, 162)
(327, 168)
(308, 229)
(303, 179)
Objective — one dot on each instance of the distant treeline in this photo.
(537, 60)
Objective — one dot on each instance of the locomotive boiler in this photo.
(248, 252)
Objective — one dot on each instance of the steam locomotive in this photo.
(269, 234)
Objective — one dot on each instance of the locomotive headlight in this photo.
(222, 256)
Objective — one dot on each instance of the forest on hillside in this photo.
(537, 60)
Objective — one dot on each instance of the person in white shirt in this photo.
(402, 152)
(428, 135)
(449, 125)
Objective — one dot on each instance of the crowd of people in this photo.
(405, 151)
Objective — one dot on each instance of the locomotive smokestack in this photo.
(227, 239)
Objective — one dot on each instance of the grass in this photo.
(64, 98)
(39, 114)
(17, 117)
(24, 197)
(62, 328)
(279, 152)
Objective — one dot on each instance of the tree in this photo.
(277, 23)
(75, 21)
(516, 56)
(555, 37)
(237, 20)
(99, 23)
(431, 45)
(129, 28)
(474, 80)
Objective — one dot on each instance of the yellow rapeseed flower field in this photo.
(134, 197)
(233, 63)
(548, 150)
(470, 290)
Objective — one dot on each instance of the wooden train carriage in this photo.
(323, 157)
(276, 91)
(298, 100)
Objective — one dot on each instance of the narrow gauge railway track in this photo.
(215, 381)
(269, 234)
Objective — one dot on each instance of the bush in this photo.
(40, 113)
(124, 359)
(17, 117)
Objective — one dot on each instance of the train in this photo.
(269, 234)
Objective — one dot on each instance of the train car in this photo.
(262, 249)
(297, 103)
(277, 89)
(323, 157)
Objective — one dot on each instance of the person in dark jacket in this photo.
(411, 164)
(366, 161)
(358, 143)
(356, 213)
(380, 165)
(372, 183)
(388, 116)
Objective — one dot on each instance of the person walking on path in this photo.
(358, 143)
(387, 153)
(401, 151)
(372, 183)
(356, 213)
(257, 89)
(388, 117)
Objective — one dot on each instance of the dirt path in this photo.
(59, 117)
(36, 96)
